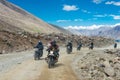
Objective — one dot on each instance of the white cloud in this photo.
(92, 27)
(116, 17)
(70, 7)
(85, 11)
(84, 27)
(113, 3)
(78, 20)
(94, 18)
(63, 21)
(117, 24)
(99, 15)
(59, 21)
(98, 1)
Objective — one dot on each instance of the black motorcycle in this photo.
(69, 49)
(38, 53)
(51, 59)
(91, 47)
(79, 47)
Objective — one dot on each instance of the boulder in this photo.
(109, 71)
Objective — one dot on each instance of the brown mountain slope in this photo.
(12, 15)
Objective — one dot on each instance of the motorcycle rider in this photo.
(69, 44)
(91, 46)
(115, 45)
(52, 46)
(79, 45)
(40, 48)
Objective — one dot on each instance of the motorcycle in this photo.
(79, 47)
(91, 47)
(51, 59)
(38, 53)
(69, 50)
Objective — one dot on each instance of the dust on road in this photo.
(38, 70)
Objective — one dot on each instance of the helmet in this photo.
(69, 41)
(53, 42)
(39, 42)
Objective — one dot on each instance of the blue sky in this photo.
(66, 13)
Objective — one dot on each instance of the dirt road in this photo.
(22, 66)
(29, 69)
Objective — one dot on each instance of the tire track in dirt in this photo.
(61, 71)
(38, 70)
(27, 70)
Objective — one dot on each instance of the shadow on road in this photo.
(58, 65)
(42, 58)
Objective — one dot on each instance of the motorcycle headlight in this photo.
(51, 52)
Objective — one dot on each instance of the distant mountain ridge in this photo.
(113, 32)
(105, 31)
(17, 19)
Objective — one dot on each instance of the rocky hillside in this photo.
(10, 41)
(98, 65)
(61, 29)
(13, 18)
(20, 30)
